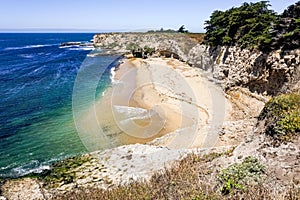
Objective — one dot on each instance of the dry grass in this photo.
(188, 179)
(199, 37)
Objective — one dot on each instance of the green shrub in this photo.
(282, 117)
(148, 50)
(227, 40)
(132, 46)
(239, 175)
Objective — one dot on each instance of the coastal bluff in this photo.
(119, 43)
(271, 72)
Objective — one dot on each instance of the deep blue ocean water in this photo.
(36, 84)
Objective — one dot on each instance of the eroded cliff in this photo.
(269, 73)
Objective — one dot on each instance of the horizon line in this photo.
(74, 30)
(47, 30)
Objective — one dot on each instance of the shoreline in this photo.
(145, 91)
(176, 125)
(161, 102)
(187, 99)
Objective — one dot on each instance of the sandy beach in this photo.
(160, 101)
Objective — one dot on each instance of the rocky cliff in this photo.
(268, 73)
(178, 43)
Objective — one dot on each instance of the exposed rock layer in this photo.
(272, 73)
(269, 73)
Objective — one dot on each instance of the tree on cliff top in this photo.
(286, 32)
(243, 26)
(182, 29)
(293, 11)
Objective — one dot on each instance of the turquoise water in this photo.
(36, 84)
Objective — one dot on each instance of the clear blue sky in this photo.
(114, 14)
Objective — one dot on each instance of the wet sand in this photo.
(158, 101)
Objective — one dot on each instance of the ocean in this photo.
(37, 78)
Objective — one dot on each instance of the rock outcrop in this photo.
(102, 169)
(126, 42)
(268, 73)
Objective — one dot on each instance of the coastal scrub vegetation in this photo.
(181, 29)
(254, 25)
(162, 30)
(281, 116)
(191, 178)
(239, 175)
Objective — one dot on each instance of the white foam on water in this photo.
(91, 55)
(33, 167)
(138, 122)
(27, 55)
(113, 74)
(128, 112)
(78, 48)
(29, 47)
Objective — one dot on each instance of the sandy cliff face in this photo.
(271, 73)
